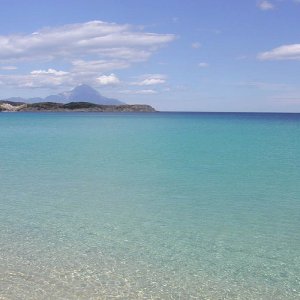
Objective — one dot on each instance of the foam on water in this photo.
(141, 206)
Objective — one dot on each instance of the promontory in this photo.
(9, 106)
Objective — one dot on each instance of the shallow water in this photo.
(149, 206)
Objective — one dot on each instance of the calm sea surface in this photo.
(149, 206)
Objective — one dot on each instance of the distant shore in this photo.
(9, 106)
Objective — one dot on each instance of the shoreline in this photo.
(72, 107)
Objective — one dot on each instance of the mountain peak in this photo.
(83, 90)
(86, 93)
(83, 87)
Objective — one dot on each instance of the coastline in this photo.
(72, 107)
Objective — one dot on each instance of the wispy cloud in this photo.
(139, 92)
(196, 45)
(90, 67)
(241, 57)
(267, 86)
(101, 39)
(288, 99)
(210, 30)
(150, 79)
(285, 52)
(203, 65)
(265, 5)
(8, 68)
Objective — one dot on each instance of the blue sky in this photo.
(193, 55)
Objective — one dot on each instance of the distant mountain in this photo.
(81, 93)
(17, 100)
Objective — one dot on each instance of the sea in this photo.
(149, 206)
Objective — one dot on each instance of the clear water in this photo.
(149, 206)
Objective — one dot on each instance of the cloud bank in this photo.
(89, 49)
(98, 38)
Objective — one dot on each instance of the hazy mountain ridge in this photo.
(81, 93)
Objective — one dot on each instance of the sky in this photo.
(192, 55)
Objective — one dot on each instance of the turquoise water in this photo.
(149, 206)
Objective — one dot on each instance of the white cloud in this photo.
(101, 39)
(265, 5)
(50, 78)
(54, 79)
(111, 79)
(203, 65)
(196, 45)
(151, 79)
(49, 72)
(139, 92)
(8, 68)
(285, 52)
